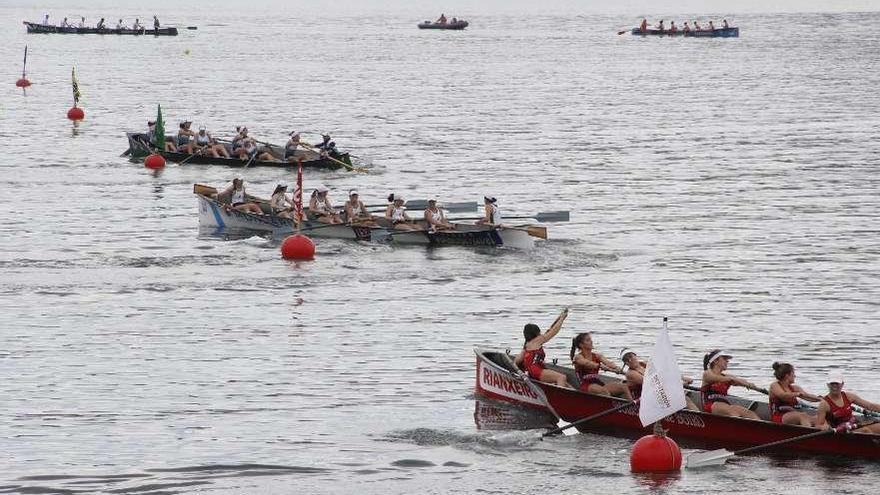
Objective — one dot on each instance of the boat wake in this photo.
(478, 442)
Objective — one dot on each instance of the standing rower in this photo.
(588, 363)
(155, 23)
(531, 359)
(836, 410)
(715, 386)
(783, 398)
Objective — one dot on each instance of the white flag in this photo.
(662, 390)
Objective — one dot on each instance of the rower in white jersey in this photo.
(355, 211)
(396, 214)
(435, 217)
(320, 207)
(493, 213)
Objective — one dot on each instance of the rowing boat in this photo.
(731, 32)
(497, 378)
(33, 27)
(138, 145)
(454, 26)
(215, 216)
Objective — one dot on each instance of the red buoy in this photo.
(298, 247)
(154, 161)
(655, 454)
(76, 113)
(22, 83)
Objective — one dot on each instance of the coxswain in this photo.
(783, 398)
(321, 208)
(280, 205)
(835, 409)
(716, 383)
(643, 27)
(356, 212)
(396, 214)
(155, 23)
(205, 141)
(184, 139)
(435, 217)
(291, 146)
(137, 25)
(588, 363)
(493, 214)
(686, 29)
(724, 24)
(441, 20)
(711, 26)
(100, 24)
(531, 359)
(235, 197)
(635, 376)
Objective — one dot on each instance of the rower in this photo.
(290, 147)
(531, 359)
(320, 207)
(100, 24)
(280, 205)
(120, 25)
(155, 23)
(205, 141)
(327, 147)
(635, 376)
(441, 20)
(235, 197)
(65, 24)
(643, 27)
(672, 28)
(697, 26)
(137, 25)
(82, 22)
(46, 19)
(355, 211)
(493, 214)
(711, 26)
(716, 383)
(686, 29)
(660, 26)
(588, 363)
(184, 138)
(396, 214)
(783, 398)
(724, 24)
(835, 409)
(435, 217)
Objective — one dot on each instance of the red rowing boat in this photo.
(498, 378)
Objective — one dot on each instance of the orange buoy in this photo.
(297, 247)
(154, 161)
(76, 113)
(22, 83)
(655, 453)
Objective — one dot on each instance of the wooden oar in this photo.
(538, 231)
(718, 457)
(349, 167)
(545, 216)
(591, 418)
(246, 165)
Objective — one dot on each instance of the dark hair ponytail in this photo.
(708, 357)
(576, 344)
(781, 370)
(530, 331)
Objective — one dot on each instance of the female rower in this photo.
(238, 199)
(672, 27)
(436, 217)
(493, 214)
(205, 141)
(724, 24)
(697, 26)
(686, 29)
(643, 27)
(184, 138)
(716, 383)
(356, 212)
(531, 359)
(587, 365)
(281, 206)
(635, 376)
(291, 146)
(320, 207)
(784, 395)
(396, 214)
(835, 409)
(711, 26)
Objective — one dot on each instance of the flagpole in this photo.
(24, 65)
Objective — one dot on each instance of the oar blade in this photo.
(706, 459)
(538, 231)
(567, 431)
(553, 216)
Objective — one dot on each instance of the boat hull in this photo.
(732, 32)
(138, 147)
(468, 235)
(450, 26)
(498, 380)
(35, 28)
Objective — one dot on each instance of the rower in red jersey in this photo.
(784, 394)
(531, 359)
(716, 383)
(635, 376)
(588, 363)
(836, 409)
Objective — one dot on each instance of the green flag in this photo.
(160, 131)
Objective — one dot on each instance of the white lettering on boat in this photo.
(505, 386)
(684, 418)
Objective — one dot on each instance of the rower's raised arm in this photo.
(557, 324)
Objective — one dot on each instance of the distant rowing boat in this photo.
(731, 32)
(36, 28)
(454, 26)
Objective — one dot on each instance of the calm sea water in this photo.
(730, 184)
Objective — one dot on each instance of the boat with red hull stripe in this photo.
(497, 378)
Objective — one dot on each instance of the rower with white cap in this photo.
(281, 206)
(205, 141)
(835, 410)
(396, 213)
(716, 383)
(435, 217)
(635, 376)
(236, 198)
(321, 208)
(493, 214)
(355, 211)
